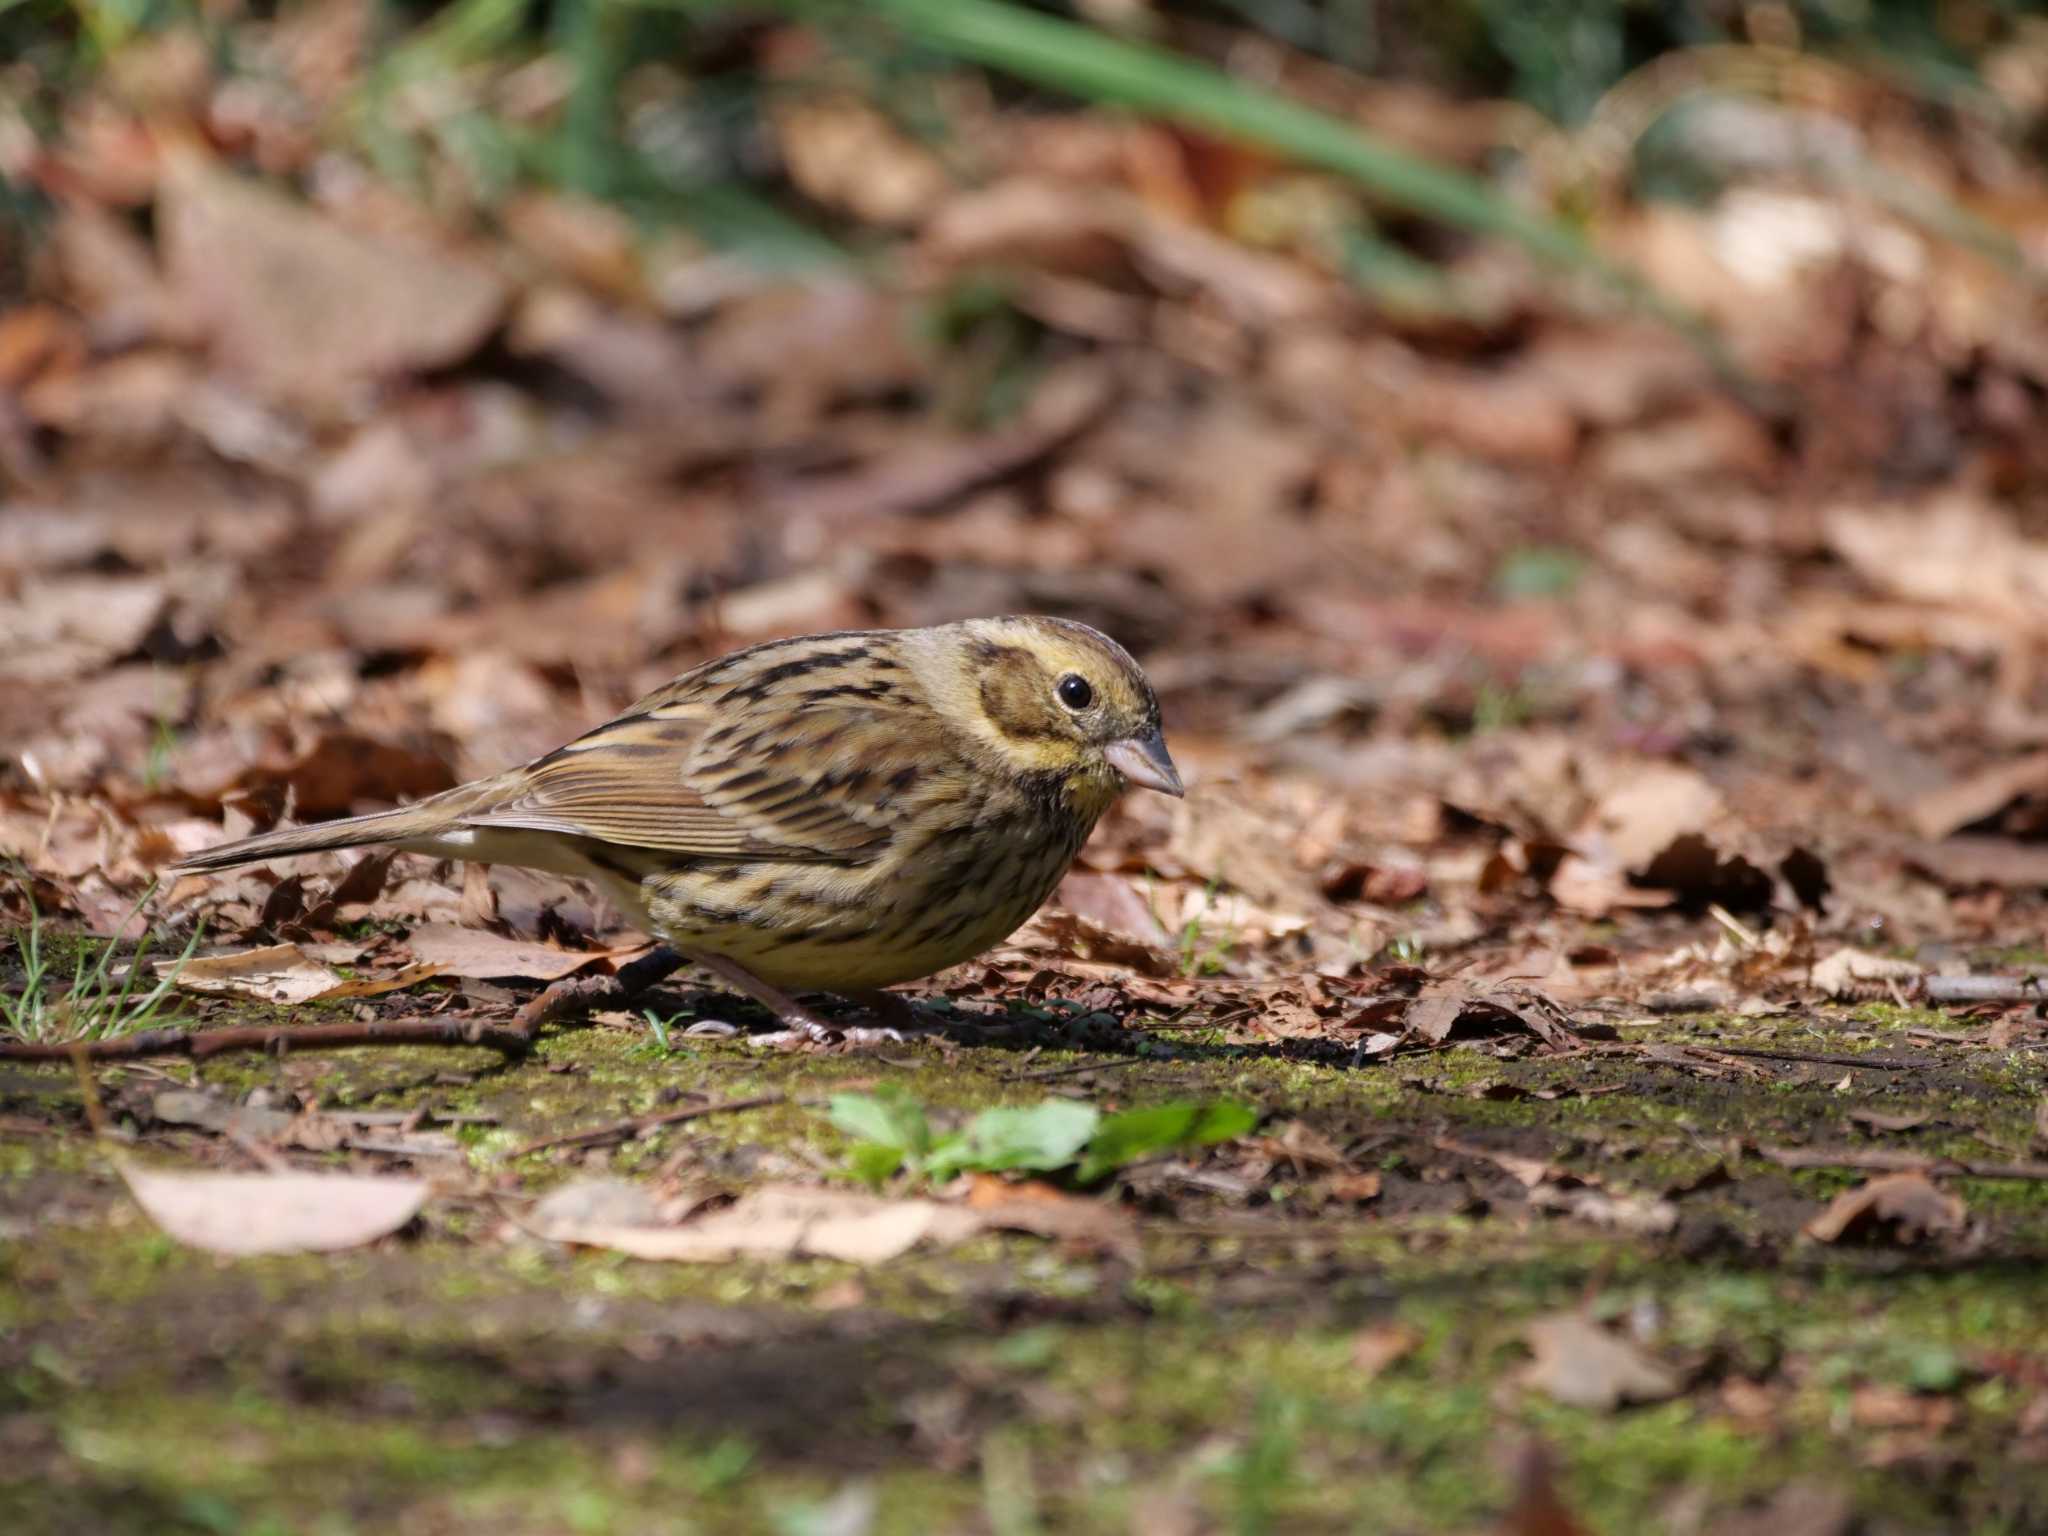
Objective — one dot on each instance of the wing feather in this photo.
(797, 751)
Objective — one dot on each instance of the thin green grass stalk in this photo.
(591, 36)
(1065, 56)
(88, 1009)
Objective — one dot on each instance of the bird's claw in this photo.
(815, 1031)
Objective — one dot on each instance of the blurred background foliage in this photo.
(663, 107)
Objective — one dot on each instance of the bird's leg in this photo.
(798, 1019)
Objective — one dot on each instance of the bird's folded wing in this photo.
(638, 782)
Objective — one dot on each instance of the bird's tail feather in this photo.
(403, 825)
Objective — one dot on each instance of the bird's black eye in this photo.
(1074, 691)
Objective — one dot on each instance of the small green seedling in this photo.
(92, 1007)
(892, 1134)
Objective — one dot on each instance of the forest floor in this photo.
(1571, 1064)
(1369, 1315)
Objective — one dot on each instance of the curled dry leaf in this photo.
(1847, 972)
(1060, 932)
(1581, 1364)
(1980, 795)
(277, 973)
(284, 973)
(256, 1213)
(1904, 1207)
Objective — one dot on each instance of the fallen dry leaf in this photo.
(1583, 1365)
(1956, 549)
(1903, 1207)
(377, 986)
(1059, 932)
(211, 1112)
(1375, 1348)
(276, 973)
(794, 1221)
(1646, 812)
(1954, 806)
(337, 771)
(1115, 905)
(1538, 1509)
(788, 1221)
(585, 1203)
(58, 630)
(1803, 1509)
(475, 954)
(256, 1213)
(1038, 1208)
(307, 307)
(1645, 1214)
(1848, 972)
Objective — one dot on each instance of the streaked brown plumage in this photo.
(834, 812)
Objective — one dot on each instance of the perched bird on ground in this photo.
(836, 812)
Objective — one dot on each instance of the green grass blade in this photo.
(1066, 56)
(1069, 57)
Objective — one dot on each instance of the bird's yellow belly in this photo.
(820, 928)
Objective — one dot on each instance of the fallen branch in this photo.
(575, 997)
(1074, 1069)
(629, 1130)
(1957, 991)
(1819, 1058)
(199, 1044)
(1878, 1161)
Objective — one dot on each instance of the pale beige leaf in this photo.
(1902, 1206)
(789, 1221)
(276, 973)
(477, 954)
(256, 1213)
(1581, 1364)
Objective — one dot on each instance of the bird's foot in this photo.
(819, 1032)
(800, 1025)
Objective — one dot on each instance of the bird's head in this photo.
(1051, 697)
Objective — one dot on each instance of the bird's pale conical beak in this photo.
(1143, 760)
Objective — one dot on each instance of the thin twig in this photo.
(628, 1130)
(1879, 1161)
(574, 997)
(202, 1043)
(1818, 1059)
(1949, 991)
(1073, 1068)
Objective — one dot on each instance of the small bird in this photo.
(835, 812)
